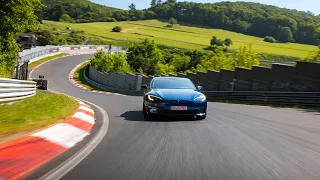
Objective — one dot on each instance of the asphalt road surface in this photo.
(234, 142)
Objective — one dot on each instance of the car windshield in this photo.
(172, 83)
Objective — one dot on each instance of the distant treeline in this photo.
(244, 17)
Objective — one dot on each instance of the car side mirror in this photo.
(200, 88)
(144, 87)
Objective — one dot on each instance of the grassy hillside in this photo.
(181, 36)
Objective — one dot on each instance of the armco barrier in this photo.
(268, 97)
(13, 90)
(39, 52)
(132, 83)
(109, 88)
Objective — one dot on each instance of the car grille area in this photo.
(187, 112)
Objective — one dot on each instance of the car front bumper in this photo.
(165, 109)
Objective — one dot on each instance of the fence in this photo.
(304, 77)
(13, 90)
(122, 83)
(129, 83)
(34, 54)
(268, 97)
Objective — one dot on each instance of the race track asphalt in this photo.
(234, 142)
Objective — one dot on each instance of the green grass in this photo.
(36, 63)
(79, 78)
(179, 36)
(40, 111)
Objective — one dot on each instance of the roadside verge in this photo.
(22, 156)
(83, 84)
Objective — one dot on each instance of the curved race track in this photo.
(234, 142)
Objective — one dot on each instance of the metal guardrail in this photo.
(266, 97)
(101, 86)
(13, 90)
(34, 54)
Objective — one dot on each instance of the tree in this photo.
(107, 62)
(150, 15)
(144, 55)
(139, 15)
(216, 42)
(285, 35)
(132, 7)
(58, 12)
(66, 18)
(153, 3)
(116, 29)
(172, 21)
(159, 1)
(120, 15)
(318, 35)
(17, 16)
(244, 17)
(228, 42)
(315, 56)
(172, 1)
(132, 12)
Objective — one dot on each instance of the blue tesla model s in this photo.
(173, 96)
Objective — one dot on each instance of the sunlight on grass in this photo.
(39, 111)
(182, 36)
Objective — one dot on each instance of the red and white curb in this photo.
(81, 53)
(21, 157)
(71, 77)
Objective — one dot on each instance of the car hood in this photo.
(176, 94)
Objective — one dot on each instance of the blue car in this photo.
(173, 96)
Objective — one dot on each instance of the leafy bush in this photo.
(107, 62)
(269, 39)
(59, 41)
(215, 42)
(116, 29)
(164, 69)
(4, 71)
(215, 61)
(247, 58)
(144, 55)
(76, 37)
(66, 18)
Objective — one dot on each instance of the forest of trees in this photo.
(79, 11)
(244, 17)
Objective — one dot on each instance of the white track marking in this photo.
(84, 117)
(62, 134)
(86, 108)
(61, 170)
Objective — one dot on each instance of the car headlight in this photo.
(153, 98)
(200, 98)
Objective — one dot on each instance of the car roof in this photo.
(169, 77)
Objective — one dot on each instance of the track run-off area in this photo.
(233, 142)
